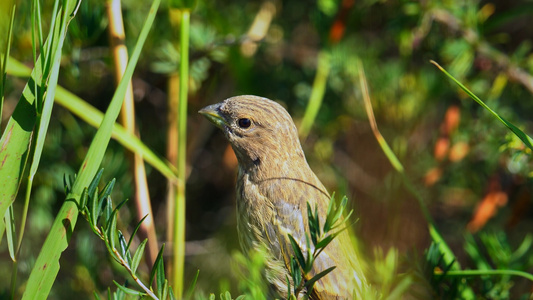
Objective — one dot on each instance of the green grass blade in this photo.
(44, 120)
(94, 117)
(3, 62)
(10, 232)
(14, 146)
(15, 142)
(46, 113)
(47, 265)
(317, 94)
(519, 133)
(16, 68)
(96, 151)
(467, 273)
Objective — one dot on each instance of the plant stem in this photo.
(179, 216)
(464, 273)
(135, 278)
(127, 118)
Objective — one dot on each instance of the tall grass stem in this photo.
(179, 216)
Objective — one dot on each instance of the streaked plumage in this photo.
(273, 186)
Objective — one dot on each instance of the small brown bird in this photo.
(274, 185)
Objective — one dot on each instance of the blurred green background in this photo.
(474, 175)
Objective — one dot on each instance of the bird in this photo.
(274, 185)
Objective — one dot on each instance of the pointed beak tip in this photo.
(212, 114)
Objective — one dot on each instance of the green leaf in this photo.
(106, 204)
(67, 183)
(107, 211)
(129, 291)
(84, 199)
(9, 218)
(107, 189)
(160, 277)
(288, 285)
(329, 214)
(135, 232)
(523, 249)
(48, 102)
(317, 221)
(313, 224)
(164, 295)
(94, 183)
(120, 295)
(339, 212)
(191, 288)
(3, 64)
(138, 256)
(348, 215)
(297, 252)
(95, 294)
(296, 273)
(94, 208)
(112, 230)
(171, 293)
(156, 264)
(225, 296)
(325, 241)
(311, 282)
(123, 252)
(309, 259)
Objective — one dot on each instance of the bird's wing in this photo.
(290, 217)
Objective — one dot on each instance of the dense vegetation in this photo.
(448, 215)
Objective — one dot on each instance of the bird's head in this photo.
(259, 130)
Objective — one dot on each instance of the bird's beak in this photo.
(212, 113)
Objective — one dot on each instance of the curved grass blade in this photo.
(94, 117)
(519, 133)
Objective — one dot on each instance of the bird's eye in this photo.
(244, 123)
